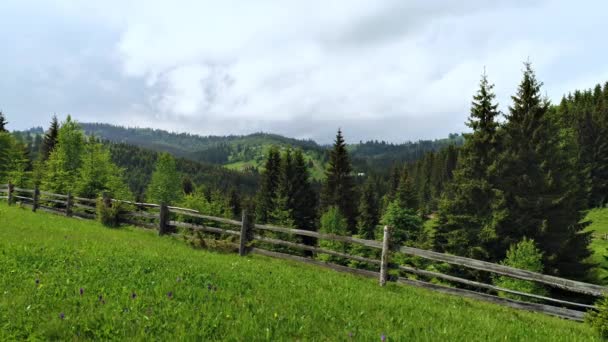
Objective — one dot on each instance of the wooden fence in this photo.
(167, 218)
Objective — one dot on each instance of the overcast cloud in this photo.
(395, 69)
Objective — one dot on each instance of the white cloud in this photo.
(300, 68)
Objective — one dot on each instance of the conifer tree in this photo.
(187, 185)
(406, 194)
(99, 174)
(3, 123)
(543, 200)
(465, 211)
(338, 189)
(65, 160)
(369, 215)
(50, 139)
(268, 192)
(234, 202)
(304, 198)
(164, 186)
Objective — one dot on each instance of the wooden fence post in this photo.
(36, 198)
(162, 219)
(68, 204)
(107, 201)
(245, 229)
(385, 254)
(11, 188)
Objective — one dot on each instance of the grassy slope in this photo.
(257, 298)
(599, 226)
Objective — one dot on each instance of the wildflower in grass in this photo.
(81, 291)
(37, 281)
(170, 295)
(100, 298)
(350, 334)
(382, 337)
(61, 316)
(133, 295)
(209, 287)
(179, 279)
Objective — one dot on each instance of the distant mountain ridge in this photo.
(242, 152)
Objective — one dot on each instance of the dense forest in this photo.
(516, 187)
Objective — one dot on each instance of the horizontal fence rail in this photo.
(254, 238)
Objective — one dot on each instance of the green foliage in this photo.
(268, 192)
(339, 188)
(109, 216)
(99, 174)
(50, 139)
(598, 320)
(165, 186)
(3, 123)
(523, 255)
(333, 222)
(62, 167)
(543, 199)
(406, 225)
(369, 211)
(224, 296)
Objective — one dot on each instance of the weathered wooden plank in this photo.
(3, 197)
(204, 228)
(210, 218)
(488, 286)
(137, 203)
(315, 249)
(142, 214)
(42, 199)
(334, 267)
(53, 194)
(83, 215)
(349, 239)
(177, 209)
(83, 206)
(51, 210)
(23, 190)
(535, 307)
(87, 200)
(24, 198)
(566, 284)
(384, 257)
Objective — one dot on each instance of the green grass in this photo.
(599, 246)
(252, 298)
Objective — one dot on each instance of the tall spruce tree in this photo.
(304, 198)
(369, 211)
(165, 186)
(406, 194)
(3, 123)
(542, 197)
(267, 194)
(338, 189)
(50, 139)
(465, 211)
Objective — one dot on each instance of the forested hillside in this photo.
(245, 153)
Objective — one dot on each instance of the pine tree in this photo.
(542, 197)
(406, 194)
(3, 123)
(99, 174)
(465, 211)
(304, 198)
(369, 215)
(50, 139)
(268, 191)
(164, 187)
(187, 185)
(338, 189)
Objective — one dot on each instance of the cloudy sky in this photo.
(392, 69)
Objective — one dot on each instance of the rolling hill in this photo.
(68, 279)
(242, 152)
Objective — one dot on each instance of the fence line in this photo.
(160, 218)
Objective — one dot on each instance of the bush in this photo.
(109, 217)
(599, 319)
(405, 223)
(333, 222)
(523, 255)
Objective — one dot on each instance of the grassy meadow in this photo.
(599, 245)
(73, 279)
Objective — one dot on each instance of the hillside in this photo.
(242, 152)
(599, 244)
(71, 280)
